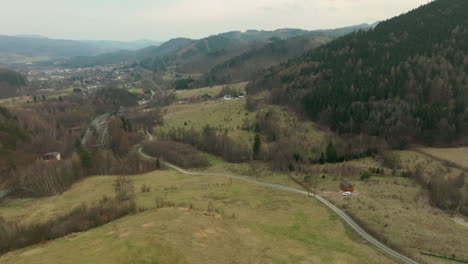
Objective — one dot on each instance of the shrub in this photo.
(211, 141)
(14, 236)
(145, 188)
(123, 188)
(365, 175)
(180, 154)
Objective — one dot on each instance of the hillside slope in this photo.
(213, 220)
(405, 80)
(202, 55)
(276, 51)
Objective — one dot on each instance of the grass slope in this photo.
(255, 225)
(400, 210)
(227, 115)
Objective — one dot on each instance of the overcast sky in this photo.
(165, 19)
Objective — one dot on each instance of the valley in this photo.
(344, 145)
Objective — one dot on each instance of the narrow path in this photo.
(335, 209)
(450, 163)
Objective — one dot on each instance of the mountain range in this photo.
(23, 48)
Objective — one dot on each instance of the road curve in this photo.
(335, 209)
(97, 122)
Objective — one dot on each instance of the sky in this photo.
(165, 19)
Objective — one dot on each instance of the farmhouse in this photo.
(345, 186)
(51, 156)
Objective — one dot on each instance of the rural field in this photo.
(394, 208)
(232, 118)
(211, 91)
(213, 220)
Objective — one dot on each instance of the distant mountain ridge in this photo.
(201, 54)
(275, 51)
(31, 46)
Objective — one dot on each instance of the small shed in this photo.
(345, 186)
(227, 97)
(51, 156)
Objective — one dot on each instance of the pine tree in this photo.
(322, 158)
(256, 146)
(331, 154)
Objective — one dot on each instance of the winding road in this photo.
(97, 123)
(348, 220)
(335, 209)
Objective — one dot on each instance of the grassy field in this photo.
(455, 155)
(171, 75)
(231, 117)
(400, 210)
(136, 90)
(18, 100)
(252, 225)
(15, 101)
(394, 205)
(225, 115)
(212, 91)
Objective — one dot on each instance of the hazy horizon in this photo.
(161, 20)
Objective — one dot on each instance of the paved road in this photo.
(97, 123)
(335, 209)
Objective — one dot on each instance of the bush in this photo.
(365, 175)
(14, 236)
(211, 141)
(145, 188)
(123, 188)
(180, 154)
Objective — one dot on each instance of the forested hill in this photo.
(10, 82)
(405, 80)
(242, 67)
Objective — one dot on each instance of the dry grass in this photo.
(231, 116)
(400, 210)
(227, 116)
(212, 91)
(455, 155)
(252, 225)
